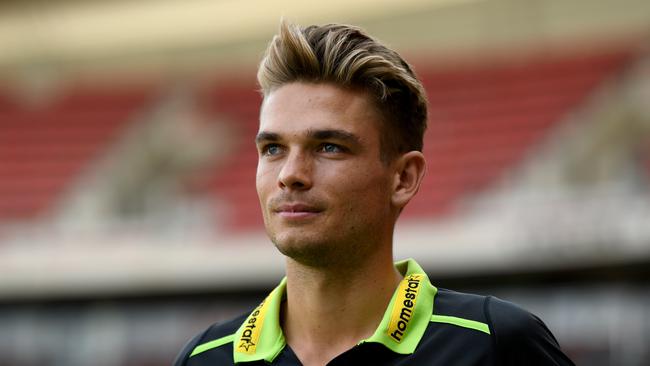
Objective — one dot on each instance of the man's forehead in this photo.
(301, 109)
(322, 93)
(303, 97)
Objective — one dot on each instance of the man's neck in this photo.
(330, 310)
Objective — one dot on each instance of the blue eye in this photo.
(271, 149)
(331, 148)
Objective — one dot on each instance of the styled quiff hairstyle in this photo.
(348, 57)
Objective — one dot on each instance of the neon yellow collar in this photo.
(260, 337)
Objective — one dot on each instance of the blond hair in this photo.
(347, 57)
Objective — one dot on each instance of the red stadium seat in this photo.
(44, 148)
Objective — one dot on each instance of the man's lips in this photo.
(296, 210)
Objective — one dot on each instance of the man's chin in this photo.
(305, 250)
(288, 244)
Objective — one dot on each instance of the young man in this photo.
(340, 143)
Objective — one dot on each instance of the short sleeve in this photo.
(521, 338)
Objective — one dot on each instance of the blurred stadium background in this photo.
(128, 214)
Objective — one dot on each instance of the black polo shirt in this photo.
(422, 325)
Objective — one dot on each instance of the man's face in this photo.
(323, 189)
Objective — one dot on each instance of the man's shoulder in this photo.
(460, 304)
(517, 328)
(518, 336)
(491, 310)
(224, 328)
(217, 338)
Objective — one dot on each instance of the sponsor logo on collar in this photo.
(247, 342)
(404, 306)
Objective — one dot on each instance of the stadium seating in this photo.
(45, 146)
(484, 119)
(233, 181)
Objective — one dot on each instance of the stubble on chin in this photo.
(306, 252)
(319, 252)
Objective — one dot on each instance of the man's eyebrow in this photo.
(340, 135)
(266, 136)
(328, 134)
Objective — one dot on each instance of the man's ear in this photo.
(409, 172)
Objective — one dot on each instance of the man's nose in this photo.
(296, 172)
